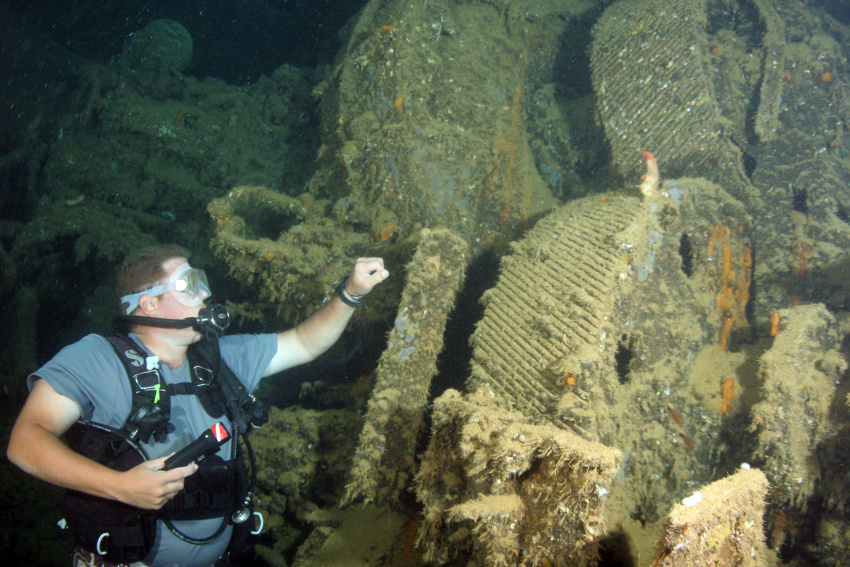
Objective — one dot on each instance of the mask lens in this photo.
(190, 285)
(196, 282)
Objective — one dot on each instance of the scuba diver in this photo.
(170, 386)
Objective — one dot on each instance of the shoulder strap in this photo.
(205, 380)
(217, 387)
(151, 405)
(241, 407)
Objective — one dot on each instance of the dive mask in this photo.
(189, 285)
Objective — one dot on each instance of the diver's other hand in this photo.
(148, 486)
(367, 273)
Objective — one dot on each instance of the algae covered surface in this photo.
(557, 361)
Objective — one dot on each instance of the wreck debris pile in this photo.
(512, 492)
(669, 80)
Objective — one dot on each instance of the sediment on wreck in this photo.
(383, 464)
(720, 524)
(600, 317)
(646, 107)
(424, 125)
(668, 80)
(799, 376)
(507, 491)
(285, 247)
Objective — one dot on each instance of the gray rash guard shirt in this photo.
(90, 373)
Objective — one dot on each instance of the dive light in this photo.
(207, 444)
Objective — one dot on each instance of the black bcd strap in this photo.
(218, 390)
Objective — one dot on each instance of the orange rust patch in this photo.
(727, 393)
(386, 232)
(775, 319)
(734, 286)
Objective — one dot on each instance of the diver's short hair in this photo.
(143, 268)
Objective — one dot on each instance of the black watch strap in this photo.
(346, 296)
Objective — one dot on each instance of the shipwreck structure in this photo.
(641, 340)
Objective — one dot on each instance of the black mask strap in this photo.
(158, 322)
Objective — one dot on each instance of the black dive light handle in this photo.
(205, 445)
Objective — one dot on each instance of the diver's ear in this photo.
(148, 305)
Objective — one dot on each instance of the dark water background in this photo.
(235, 41)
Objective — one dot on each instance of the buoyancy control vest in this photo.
(120, 533)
